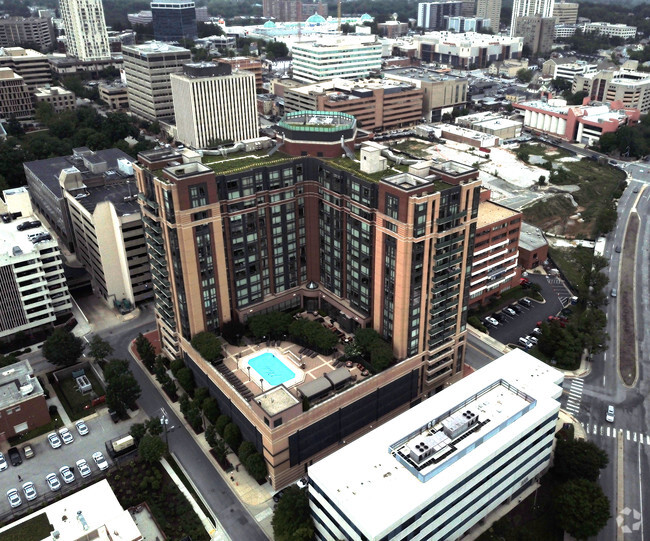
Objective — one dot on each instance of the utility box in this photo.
(83, 385)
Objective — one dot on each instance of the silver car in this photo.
(66, 436)
(30, 491)
(53, 482)
(83, 468)
(66, 475)
(54, 440)
(14, 498)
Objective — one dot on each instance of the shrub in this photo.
(232, 436)
(475, 322)
(221, 424)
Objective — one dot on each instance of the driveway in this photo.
(555, 293)
(47, 460)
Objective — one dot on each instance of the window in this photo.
(392, 206)
(198, 196)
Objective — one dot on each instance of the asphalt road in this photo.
(220, 499)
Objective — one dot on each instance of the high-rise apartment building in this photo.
(489, 9)
(148, 68)
(366, 244)
(466, 24)
(348, 57)
(631, 88)
(538, 33)
(282, 10)
(31, 65)
(246, 63)
(431, 15)
(529, 8)
(468, 9)
(15, 98)
(85, 29)
(37, 31)
(566, 12)
(33, 288)
(174, 20)
(214, 104)
(438, 470)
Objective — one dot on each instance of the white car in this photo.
(30, 491)
(610, 414)
(3, 462)
(66, 436)
(532, 340)
(492, 321)
(83, 468)
(99, 459)
(54, 440)
(510, 312)
(525, 343)
(537, 331)
(53, 482)
(14, 498)
(81, 428)
(66, 475)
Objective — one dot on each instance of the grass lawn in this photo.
(49, 427)
(571, 261)
(73, 401)
(34, 529)
(550, 153)
(138, 482)
(417, 148)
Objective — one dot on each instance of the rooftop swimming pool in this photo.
(271, 369)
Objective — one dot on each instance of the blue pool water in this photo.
(272, 369)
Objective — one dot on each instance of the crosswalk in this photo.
(609, 431)
(575, 396)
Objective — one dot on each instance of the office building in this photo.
(567, 68)
(245, 63)
(431, 15)
(538, 33)
(85, 29)
(509, 68)
(565, 12)
(466, 24)
(452, 460)
(33, 289)
(443, 93)
(581, 123)
(22, 399)
(610, 30)
(529, 8)
(492, 123)
(213, 104)
(20, 31)
(147, 69)
(58, 97)
(31, 65)
(345, 57)
(490, 9)
(392, 29)
(301, 231)
(533, 247)
(114, 95)
(376, 104)
(15, 98)
(563, 31)
(467, 50)
(631, 88)
(496, 254)
(174, 20)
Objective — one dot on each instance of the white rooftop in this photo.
(14, 243)
(509, 396)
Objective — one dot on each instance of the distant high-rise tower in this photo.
(529, 8)
(85, 29)
(490, 9)
(174, 20)
(431, 15)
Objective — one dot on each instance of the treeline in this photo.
(628, 140)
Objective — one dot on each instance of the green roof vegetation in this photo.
(236, 163)
(34, 529)
(353, 167)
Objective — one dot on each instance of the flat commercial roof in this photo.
(276, 400)
(420, 74)
(372, 483)
(17, 382)
(315, 388)
(531, 237)
(489, 213)
(15, 243)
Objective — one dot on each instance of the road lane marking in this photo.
(608, 432)
(627, 432)
(634, 436)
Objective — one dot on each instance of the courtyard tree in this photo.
(208, 345)
(63, 348)
(99, 348)
(581, 508)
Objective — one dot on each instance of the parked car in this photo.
(83, 468)
(510, 312)
(99, 459)
(525, 302)
(54, 440)
(53, 482)
(532, 340)
(66, 436)
(610, 414)
(28, 451)
(499, 317)
(82, 428)
(114, 416)
(525, 343)
(66, 474)
(3, 462)
(14, 457)
(536, 331)
(14, 498)
(30, 491)
(518, 309)
(491, 322)
(614, 292)
(278, 495)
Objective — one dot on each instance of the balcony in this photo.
(442, 254)
(445, 286)
(148, 202)
(451, 217)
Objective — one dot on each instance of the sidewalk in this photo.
(256, 498)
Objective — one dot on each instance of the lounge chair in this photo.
(313, 354)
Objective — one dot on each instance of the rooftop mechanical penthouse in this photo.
(368, 243)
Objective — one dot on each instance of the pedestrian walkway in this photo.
(609, 431)
(575, 396)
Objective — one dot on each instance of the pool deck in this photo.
(313, 367)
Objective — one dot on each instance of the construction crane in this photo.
(339, 15)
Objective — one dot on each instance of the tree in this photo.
(122, 392)
(365, 337)
(186, 380)
(292, 517)
(211, 435)
(138, 431)
(232, 436)
(151, 448)
(581, 508)
(154, 426)
(542, 180)
(62, 347)
(525, 75)
(221, 424)
(579, 459)
(208, 345)
(220, 451)
(245, 450)
(256, 466)
(99, 348)
(211, 409)
(381, 356)
(145, 350)
(114, 368)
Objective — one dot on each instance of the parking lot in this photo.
(48, 460)
(556, 295)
